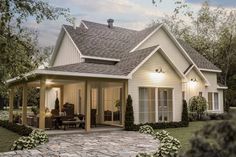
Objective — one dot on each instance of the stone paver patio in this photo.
(103, 144)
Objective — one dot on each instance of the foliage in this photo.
(146, 129)
(198, 104)
(129, 115)
(37, 137)
(20, 129)
(57, 104)
(185, 113)
(169, 146)
(208, 116)
(212, 33)
(160, 125)
(35, 110)
(161, 135)
(19, 48)
(217, 139)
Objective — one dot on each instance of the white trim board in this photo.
(101, 58)
(210, 70)
(153, 32)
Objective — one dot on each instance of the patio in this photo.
(100, 144)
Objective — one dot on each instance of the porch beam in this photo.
(87, 107)
(24, 104)
(42, 103)
(11, 100)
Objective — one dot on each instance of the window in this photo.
(200, 93)
(183, 95)
(147, 105)
(216, 101)
(210, 104)
(213, 101)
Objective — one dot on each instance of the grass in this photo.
(186, 133)
(6, 139)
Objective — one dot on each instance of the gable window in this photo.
(200, 93)
(213, 101)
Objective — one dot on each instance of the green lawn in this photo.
(185, 134)
(6, 139)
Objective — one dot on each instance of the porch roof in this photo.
(121, 70)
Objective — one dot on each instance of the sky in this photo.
(133, 14)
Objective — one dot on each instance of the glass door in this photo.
(165, 104)
(112, 101)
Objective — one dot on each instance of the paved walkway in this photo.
(105, 144)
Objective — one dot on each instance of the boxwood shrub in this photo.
(19, 129)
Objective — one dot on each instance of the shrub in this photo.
(214, 140)
(36, 138)
(129, 115)
(162, 125)
(161, 134)
(192, 116)
(146, 129)
(185, 113)
(20, 129)
(198, 104)
(169, 146)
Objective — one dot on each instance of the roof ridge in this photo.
(103, 24)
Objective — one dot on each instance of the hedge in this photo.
(161, 125)
(19, 129)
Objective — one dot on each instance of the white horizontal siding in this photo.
(161, 38)
(67, 53)
(200, 87)
(146, 76)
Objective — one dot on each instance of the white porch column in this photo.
(87, 107)
(11, 100)
(42, 103)
(125, 96)
(24, 105)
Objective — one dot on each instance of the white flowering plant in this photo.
(146, 129)
(169, 146)
(36, 138)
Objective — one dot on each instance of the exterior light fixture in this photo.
(194, 80)
(159, 70)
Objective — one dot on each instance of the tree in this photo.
(185, 113)
(18, 44)
(129, 115)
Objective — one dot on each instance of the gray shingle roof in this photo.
(197, 58)
(100, 41)
(128, 62)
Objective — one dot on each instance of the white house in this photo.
(95, 66)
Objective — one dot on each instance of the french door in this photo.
(112, 101)
(165, 107)
(155, 104)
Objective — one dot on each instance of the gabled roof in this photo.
(198, 59)
(98, 40)
(128, 62)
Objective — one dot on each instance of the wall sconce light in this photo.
(160, 70)
(194, 80)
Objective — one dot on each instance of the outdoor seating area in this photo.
(60, 120)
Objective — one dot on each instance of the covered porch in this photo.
(101, 100)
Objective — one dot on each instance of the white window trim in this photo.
(213, 102)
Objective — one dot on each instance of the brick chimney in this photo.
(110, 23)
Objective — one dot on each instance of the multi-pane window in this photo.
(213, 101)
(147, 105)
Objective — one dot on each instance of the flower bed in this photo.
(19, 129)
